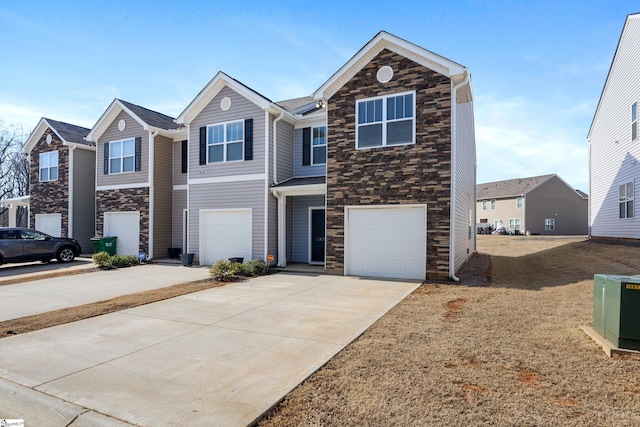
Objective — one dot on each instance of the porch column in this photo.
(282, 230)
(12, 215)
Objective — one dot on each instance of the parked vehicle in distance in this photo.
(24, 244)
(500, 230)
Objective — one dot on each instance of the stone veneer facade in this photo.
(50, 197)
(406, 174)
(125, 200)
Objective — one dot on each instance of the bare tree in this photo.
(14, 167)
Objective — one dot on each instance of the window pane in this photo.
(319, 136)
(630, 209)
(391, 108)
(115, 166)
(408, 105)
(234, 131)
(234, 151)
(53, 161)
(44, 174)
(44, 160)
(53, 173)
(634, 111)
(378, 109)
(362, 112)
(400, 132)
(319, 155)
(128, 147)
(216, 153)
(370, 111)
(115, 150)
(127, 164)
(629, 190)
(370, 136)
(216, 134)
(634, 131)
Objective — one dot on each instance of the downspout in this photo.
(275, 148)
(72, 148)
(152, 136)
(452, 214)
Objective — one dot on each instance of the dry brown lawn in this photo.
(506, 351)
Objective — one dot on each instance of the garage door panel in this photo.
(50, 224)
(126, 227)
(225, 234)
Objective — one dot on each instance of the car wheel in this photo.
(65, 255)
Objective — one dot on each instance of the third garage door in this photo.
(386, 241)
(224, 234)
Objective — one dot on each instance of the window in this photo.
(493, 204)
(122, 156)
(634, 121)
(319, 151)
(514, 224)
(388, 120)
(184, 157)
(519, 202)
(549, 224)
(484, 205)
(626, 200)
(225, 142)
(49, 166)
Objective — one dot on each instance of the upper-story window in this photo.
(122, 156)
(386, 120)
(493, 204)
(484, 205)
(634, 121)
(49, 166)
(519, 202)
(319, 152)
(625, 200)
(225, 142)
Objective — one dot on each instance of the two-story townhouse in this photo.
(614, 142)
(62, 183)
(544, 205)
(135, 177)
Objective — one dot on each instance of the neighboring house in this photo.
(62, 181)
(541, 205)
(614, 143)
(373, 175)
(135, 177)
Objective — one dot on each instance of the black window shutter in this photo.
(248, 139)
(184, 156)
(138, 159)
(203, 145)
(306, 146)
(106, 158)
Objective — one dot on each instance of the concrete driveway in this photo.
(222, 356)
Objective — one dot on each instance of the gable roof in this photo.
(69, 134)
(384, 40)
(510, 188)
(149, 120)
(630, 17)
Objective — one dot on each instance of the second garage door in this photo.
(225, 234)
(386, 241)
(50, 224)
(126, 227)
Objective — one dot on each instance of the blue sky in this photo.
(538, 68)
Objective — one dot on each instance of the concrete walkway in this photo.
(40, 296)
(222, 356)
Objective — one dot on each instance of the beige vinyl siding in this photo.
(505, 210)
(465, 184)
(163, 196)
(179, 204)
(613, 154)
(241, 109)
(132, 130)
(285, 150)
(84, 193)
(232, 195)
(179, 178)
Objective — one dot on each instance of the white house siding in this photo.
(84, 193)
(241, 109)
(300, 221)
(302, 171)
(465, 184)
(228, 195)
(179, 178)
(132, 129)
(163, 196)
(179, 203)
(613, 157)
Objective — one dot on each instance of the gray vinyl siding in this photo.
(179, 204)
(132, 129)
(241, 109)
(163, 196)
(285, 150)
(233, 195)
(84, 193)
(465, 184)
(554, 199)
(613, 156)
(300, 243)
(179, 178)
(302, 171)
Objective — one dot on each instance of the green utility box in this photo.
(104, 244)
(616, 309)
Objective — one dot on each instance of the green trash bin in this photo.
(104, 244)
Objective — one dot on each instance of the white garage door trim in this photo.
(230, 236)
(126, 227)
(50, 224)
(404, 258)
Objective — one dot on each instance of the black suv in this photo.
(24, 244)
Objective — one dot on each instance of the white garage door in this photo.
(389, 241)
(126, 227)
(50, 224)
(224, 234)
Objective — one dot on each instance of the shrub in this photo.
(224, 270)
(104, 260)
(256, 267)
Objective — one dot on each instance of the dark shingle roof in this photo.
(509, 188)
(310, 180)
(69, 132)
(150, 117)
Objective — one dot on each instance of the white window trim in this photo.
(514, 220)
(225, 143)
(385, 121)
(627, 200)
(550, 224)
(57, 166)
(313, 157)
(122, 157)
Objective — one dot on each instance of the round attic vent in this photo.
(122, 124)
(49, 139)
(385, 74)
(225, 104)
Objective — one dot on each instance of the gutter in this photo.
(70, 215)
(452, 214)
(152, 136)
(275, 148)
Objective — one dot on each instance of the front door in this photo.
(317, 235)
